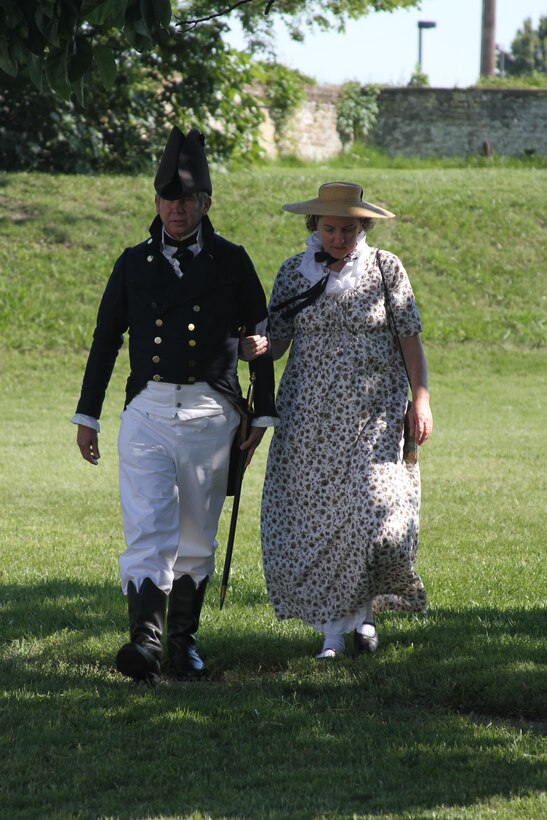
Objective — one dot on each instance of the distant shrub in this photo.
(356, 111)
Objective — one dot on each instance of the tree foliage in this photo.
(58, 44)
(419, 78)
(528, 53)
(89, 85)
(124, 128)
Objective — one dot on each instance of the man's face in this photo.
(180, 217)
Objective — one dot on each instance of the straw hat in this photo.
(338, 199)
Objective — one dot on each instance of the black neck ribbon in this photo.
(179, 243)
(307, 298)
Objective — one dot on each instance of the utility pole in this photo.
(488, 39)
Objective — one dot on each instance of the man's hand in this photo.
(251, 443)
(250, 347)
(87, 440)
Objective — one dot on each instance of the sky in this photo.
(383, 47)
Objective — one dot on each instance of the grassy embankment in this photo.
(447, 719)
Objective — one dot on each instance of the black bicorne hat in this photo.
(183, 168)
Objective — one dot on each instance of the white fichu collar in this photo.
(345, 279)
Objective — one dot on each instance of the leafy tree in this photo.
(124, 128)
(528, 53)
(122, 71)
(59, 43)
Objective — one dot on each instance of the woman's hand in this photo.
(251, 347)
(420, 420)
(251, 443)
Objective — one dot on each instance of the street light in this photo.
(421, 25)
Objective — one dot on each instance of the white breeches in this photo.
(173, 478)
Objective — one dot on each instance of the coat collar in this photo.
(208, 232)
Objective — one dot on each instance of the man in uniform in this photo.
(185, 295)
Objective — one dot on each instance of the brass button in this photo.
(155, 359)
(191, 326)
(196, 308)
(191, 363)
(191, 379)
(192, 343)
(159, 322)
(156, 378)
(157, 340)
(149, 258)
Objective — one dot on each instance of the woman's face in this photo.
(338, 234)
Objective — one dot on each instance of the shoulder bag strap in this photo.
(391, 317)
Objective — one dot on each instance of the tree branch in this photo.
(190, 24)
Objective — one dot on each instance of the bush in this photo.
(356, 111)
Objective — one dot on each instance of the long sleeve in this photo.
(111, 324)
(255, 319)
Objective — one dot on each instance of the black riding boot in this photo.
(185, 602)
(141, 658)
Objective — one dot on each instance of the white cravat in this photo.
(345, 279)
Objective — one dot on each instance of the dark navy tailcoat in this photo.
(180, 330)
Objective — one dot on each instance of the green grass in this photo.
(448, 719)
(473, 241)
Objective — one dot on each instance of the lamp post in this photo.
(421, 25)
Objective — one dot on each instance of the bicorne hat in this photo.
(339, 199)
(183, 168)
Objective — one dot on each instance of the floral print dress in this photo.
(340, 509)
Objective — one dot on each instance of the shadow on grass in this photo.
(272, 733)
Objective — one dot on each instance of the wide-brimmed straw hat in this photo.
(339, 199)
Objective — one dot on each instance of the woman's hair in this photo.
(367, 223)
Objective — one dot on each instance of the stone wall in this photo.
(458, 122)
(422, 122)
(311, 131)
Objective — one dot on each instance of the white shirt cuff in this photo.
(88, 421)
(265, 421)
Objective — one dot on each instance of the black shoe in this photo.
(186, 664)
(140, 659)
(366, 643)
(138, 662)
(184, 609)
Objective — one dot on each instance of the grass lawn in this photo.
(448, 719)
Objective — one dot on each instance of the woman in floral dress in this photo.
(340, 508)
